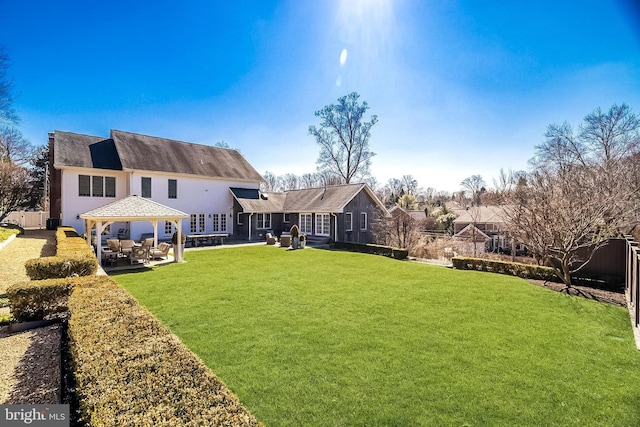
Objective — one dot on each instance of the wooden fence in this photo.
(29, 220)
(632, 280)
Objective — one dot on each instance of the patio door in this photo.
(306, 223)
(219, 222)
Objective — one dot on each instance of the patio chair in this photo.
(162, 251)
(271, 240)
(126, 246)
(114, 245)
(285, 241)
(147, 243)
(138, 253)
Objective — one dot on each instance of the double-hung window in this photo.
(146, 187)
(84, 185)
(98, 186)
(109, 186)
(264, 220)
(363, 221)
(348, 221)
(173, 189)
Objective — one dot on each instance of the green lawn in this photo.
(323, 338)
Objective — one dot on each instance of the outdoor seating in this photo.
(114, 245)
(162, 251)
(126, 246)
(138, 253)
(285, 241)
(271, 240)
(147, 243)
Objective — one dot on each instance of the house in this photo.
(89, 171)
(485, 228)
(339, 213)
(216, 187)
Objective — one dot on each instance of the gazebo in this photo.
(133, 208)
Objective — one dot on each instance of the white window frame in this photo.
(86, 178)
(306, 227)
(239, 218)
(363, 218)
(170, 194)
(323, 224)
(263, 221)
(168, 228)
(108, 181)
(142, 181)
(348, 221)
(219, 221)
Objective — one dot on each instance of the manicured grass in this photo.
(325, 338)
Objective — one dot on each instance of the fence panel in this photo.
(30, 220)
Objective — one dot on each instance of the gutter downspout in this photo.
(335, 227)
(250, 216)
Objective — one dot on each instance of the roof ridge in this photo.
(172, 140)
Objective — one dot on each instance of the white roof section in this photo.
(133, 208)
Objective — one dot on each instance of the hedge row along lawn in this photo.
(327, 338)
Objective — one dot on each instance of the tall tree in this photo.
(474, 186)
(7, 112)
(343, 137)
(15, 150)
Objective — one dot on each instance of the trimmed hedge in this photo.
(132, 371)
(73, 258)
(387, 251)
(526, 271)
(39, 298)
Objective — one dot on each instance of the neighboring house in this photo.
(334, 213)
(88, 172)
(419, 216)
(484, 227)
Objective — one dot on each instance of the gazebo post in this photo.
(178, 257)
(155, 233)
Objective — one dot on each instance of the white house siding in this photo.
(195, 195)
(73, 205)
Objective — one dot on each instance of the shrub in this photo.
(528, 271)
(6, 232)
(131, 371)
(73, 258)
(15, 227)
(36, 299)
(373, 249)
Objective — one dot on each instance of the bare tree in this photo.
(290, 181)
(582, 190)
(7, 112)
(401, 230)
(343, 137)
(409, 184)
(14, 147)
(270, 182)
(14, 188)
(474, 186)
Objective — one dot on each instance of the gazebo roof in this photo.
(133, 208)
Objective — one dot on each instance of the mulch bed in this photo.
(601, 295)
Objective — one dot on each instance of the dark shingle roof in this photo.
(329, 199)
(85, 151)
(148, 153)
(125, 150)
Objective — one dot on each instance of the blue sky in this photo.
(459, 87)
